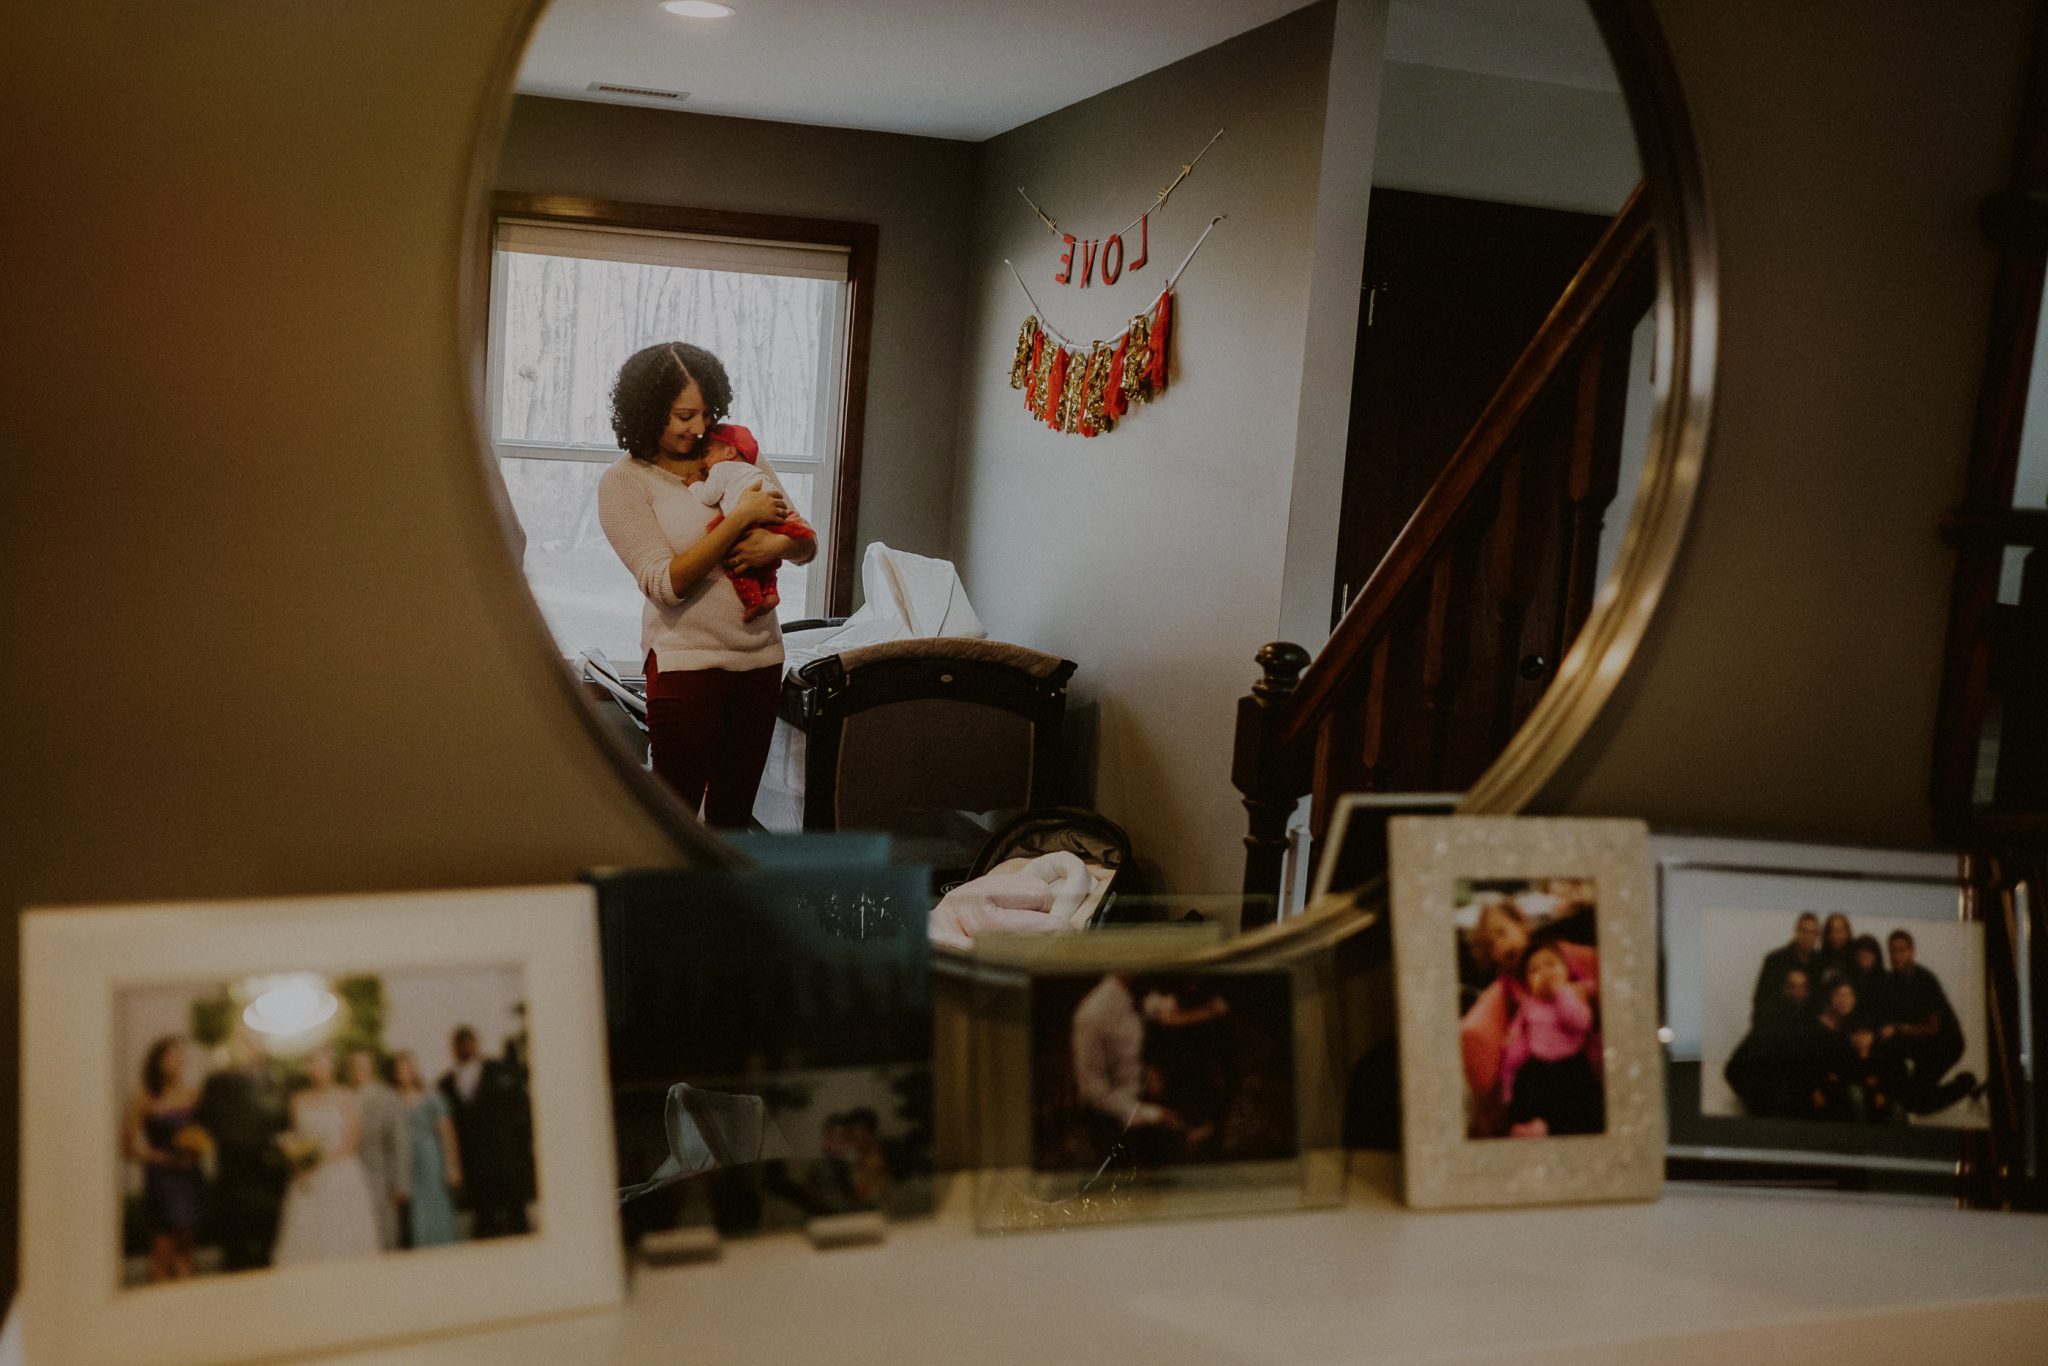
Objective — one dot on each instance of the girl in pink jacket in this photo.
(1549, 1083)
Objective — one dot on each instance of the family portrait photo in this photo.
(1842, 1013)
(1529, 1006)
(1161, 1069)
(299, 1117)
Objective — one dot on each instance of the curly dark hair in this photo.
(648, 384)
(154, 1073)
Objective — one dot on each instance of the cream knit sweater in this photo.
(650, 516)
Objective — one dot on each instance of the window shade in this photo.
(687, 251)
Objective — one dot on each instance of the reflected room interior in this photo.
(1002, 615)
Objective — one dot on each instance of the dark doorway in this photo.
(1455, 288)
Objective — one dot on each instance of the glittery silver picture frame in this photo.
(1609, 1140)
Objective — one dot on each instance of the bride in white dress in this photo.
(328, 1209)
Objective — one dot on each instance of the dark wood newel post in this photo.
(1271, 778)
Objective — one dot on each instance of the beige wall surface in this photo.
(1153, 556)
(915, 189)
(1789, 687)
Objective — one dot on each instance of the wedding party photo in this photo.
(1843, 1014)
(296, 1117)
(1529, 1006)
(1161, 1069)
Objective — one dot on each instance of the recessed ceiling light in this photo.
(697, 9)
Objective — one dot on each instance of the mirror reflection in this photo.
(754, 379)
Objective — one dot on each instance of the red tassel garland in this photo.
(1087, 392)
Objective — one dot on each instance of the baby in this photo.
(731, 467)
(1547, 1081)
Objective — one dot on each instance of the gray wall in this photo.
(1153, 556)
(1496, 137)
(915, 188)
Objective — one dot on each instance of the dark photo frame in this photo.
(1711, 894)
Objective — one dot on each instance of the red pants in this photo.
(709, 731)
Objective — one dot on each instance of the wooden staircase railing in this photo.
(1487, 563)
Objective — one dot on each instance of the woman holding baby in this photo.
(703, 559)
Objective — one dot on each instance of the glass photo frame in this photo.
(1119, 1079)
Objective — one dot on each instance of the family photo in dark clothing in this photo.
(1850, 1028)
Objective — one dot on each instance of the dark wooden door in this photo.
(1456, 288)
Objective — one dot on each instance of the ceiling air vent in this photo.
(639, 92)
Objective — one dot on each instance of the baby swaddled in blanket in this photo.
(731, 467)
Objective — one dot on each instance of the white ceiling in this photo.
(1535, 40)
(964, 69)
(971, 69)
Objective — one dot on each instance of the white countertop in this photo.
(1706, 1276)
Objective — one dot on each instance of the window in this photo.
(576, 287)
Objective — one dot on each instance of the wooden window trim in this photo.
(860, 241)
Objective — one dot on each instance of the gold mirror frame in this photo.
(1687, 335)
(1599, 659)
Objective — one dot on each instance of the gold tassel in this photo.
(1070, 395)
(1020, 366)
(1137, 361)
(1094, 409)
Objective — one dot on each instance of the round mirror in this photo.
(921, 428)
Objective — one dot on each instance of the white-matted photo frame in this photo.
(1590, 882)
(77, 965)
(1708, 887)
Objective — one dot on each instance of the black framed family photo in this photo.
(1827, 1011)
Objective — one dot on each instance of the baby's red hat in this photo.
(739, 438)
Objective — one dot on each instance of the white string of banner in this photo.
(1159, 201)
(1171, 281)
